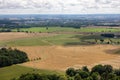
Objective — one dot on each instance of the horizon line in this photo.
(62, 14)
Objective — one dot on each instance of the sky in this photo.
(59, 6)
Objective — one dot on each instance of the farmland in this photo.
(61, 57)
(34, 39)
(66, 29)
(56, 49)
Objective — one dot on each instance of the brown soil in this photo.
(62, 57)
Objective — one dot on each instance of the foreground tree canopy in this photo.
(10, 56)
(98, 72)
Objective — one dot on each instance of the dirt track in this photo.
(61, 57)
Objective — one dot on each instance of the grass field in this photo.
(36, 40)
(59, 39)
(66, 29)
(15, 71)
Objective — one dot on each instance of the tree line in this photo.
(11, 56)
(98, 72)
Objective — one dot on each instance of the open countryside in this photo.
(60, 52)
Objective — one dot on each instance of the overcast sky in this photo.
(60, 6)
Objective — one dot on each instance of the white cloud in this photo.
(60, 6)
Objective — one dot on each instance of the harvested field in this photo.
(62, 57)
(18, 35)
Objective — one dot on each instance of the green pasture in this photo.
(60, 39)
(66, 29)
(7, 73)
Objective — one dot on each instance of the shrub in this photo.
(34, 76)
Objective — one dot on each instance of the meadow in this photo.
(66, 29)
(8, 73)
(60, 39)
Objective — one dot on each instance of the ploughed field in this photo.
(62, 57)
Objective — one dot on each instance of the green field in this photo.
(35, 41)
(7, 73)
(60, 39)
(66, 29)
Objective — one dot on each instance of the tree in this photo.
(102, 40)
(84, 68)
(62, 78)
(35, 76)
(83, 74)
(95, 76)
(71, 72)
(5, 61)
(98, 68)
(112, 76)
(77, 77)
(108, 68)
(117, 72)
(98, 72)
(46, 28)
(11, 56)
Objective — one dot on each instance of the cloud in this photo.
(60, 6)
(103, 1)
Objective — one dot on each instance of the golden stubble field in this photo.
(62, 57)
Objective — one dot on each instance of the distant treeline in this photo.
(108, 35)
(11, 56)
(75, 21)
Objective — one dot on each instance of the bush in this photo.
(34, 76)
